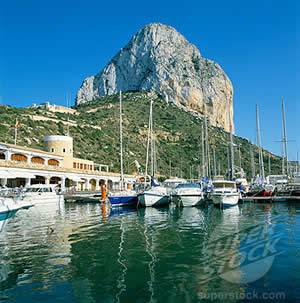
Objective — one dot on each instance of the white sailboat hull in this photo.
(225, 199)
(149, 199)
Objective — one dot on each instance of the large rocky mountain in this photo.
(161, 60)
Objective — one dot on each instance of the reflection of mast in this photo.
(151, 265)
(121, 280)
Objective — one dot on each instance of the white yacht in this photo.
(41, 194)
(172, 183)
(188, 194)
(225, 193)
(155, 196)
(11, 202)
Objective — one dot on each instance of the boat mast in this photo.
(252, 161)
(269, 164)
(228, 162)
(282, 153)
(215, 169)
(240, 158)
(203, 155)
(206, 143)
(284, 138)
(121, 141)
(151, 140)
(261, 160)
(231, 150)
(148, 141)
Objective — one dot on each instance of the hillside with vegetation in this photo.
(95, 129)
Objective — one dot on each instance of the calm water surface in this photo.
(88, 253)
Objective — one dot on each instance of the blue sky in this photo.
(47, 48)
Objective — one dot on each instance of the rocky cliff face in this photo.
(160, 59)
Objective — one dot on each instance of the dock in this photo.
(85, 197)
(271, 199)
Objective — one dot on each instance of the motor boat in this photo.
(225, 193)
(171, 184)
(40, 194)
(11, 202)
(188, 194)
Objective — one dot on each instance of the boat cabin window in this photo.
(223, 184)
(32, 190)
(189, 185)
(38, 189)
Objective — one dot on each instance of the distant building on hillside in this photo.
(54, 108)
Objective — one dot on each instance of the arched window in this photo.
(37, 160)
(19, 158)
(64, 150)
(2, 156)
(52, 150)
(53, 162)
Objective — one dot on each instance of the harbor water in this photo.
(91, 253)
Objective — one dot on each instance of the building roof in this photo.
(28, 149)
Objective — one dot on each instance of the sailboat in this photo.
(122, 197)
(225, 193)
(260, 186)
(156, 195)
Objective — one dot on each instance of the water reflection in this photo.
(93, 253)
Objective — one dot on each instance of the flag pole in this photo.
(16, 131)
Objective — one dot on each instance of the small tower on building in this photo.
(62, 146)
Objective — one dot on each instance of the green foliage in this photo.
(96, 135)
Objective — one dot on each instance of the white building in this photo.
(23, 166)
